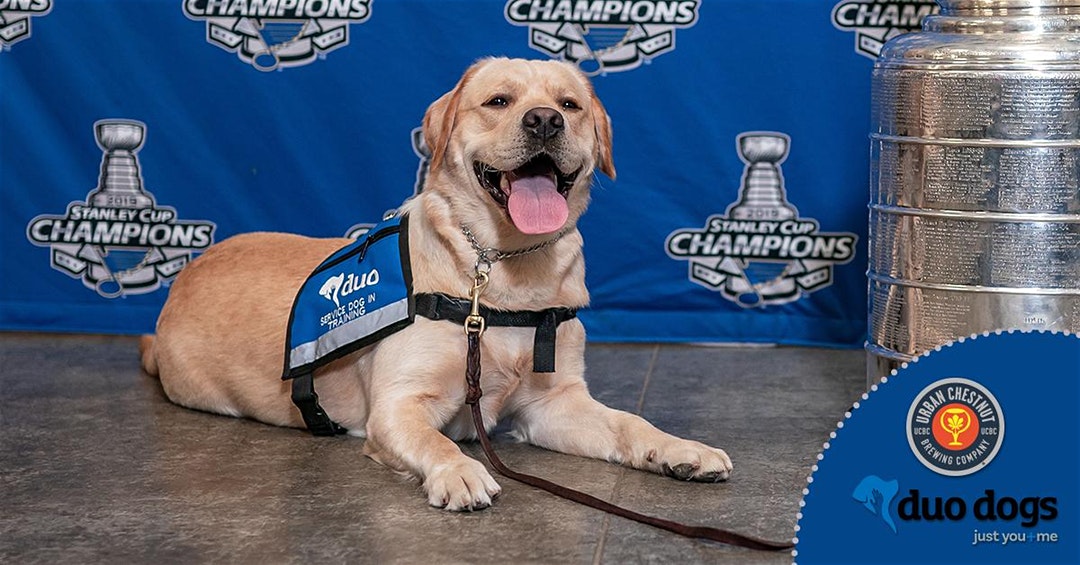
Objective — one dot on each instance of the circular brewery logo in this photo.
(955, 427)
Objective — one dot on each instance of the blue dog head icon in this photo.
(876, 495)
(330, 288)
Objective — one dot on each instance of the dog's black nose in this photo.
(543, 123)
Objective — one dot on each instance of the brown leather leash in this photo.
(474, 327)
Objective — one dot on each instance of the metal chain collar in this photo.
(488, 256)
(485, 258)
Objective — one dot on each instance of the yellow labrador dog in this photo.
(514, 146)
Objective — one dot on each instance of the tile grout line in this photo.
(648, 379)
(606, 525)
(603, 537)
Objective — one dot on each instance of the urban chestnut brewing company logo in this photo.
(603, 36)
(273, 34)
(955, 427)
(15, 19)
(760, 252)
(876, 21)
(120, 241)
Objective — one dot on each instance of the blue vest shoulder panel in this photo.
(357, 296)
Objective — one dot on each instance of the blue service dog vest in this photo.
(357, 296)
(363, 293)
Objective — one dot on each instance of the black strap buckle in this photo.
(315, 418)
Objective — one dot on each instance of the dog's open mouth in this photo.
(533, 194)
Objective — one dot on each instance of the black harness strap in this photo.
(315, 418)
(443, 307)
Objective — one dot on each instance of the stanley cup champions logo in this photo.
(877, 21)
(15, 19)
(120, 241)
(760, 252)
(603, 35)
(272, 34)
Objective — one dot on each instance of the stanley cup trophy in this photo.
(120, 185)
(974, 200)
(761, 197)
(114, 268)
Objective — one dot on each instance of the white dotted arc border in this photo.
(873, 389)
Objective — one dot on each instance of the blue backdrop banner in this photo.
(136, 133)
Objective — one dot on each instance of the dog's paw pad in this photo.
(711, 477)
(694, 461)
(683, 472)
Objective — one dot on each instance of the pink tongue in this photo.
(535, 206)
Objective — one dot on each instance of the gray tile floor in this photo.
(96, 466)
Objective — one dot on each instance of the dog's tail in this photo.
(146, 351)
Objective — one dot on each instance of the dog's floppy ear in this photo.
(440, 117)
(602, 125)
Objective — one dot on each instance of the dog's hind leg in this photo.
(147, 356)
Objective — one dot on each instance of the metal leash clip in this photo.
(474, 322)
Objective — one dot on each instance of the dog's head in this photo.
(518, 141)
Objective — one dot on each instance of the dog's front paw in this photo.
(692, 461)
(462, 485)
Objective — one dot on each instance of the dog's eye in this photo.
(497, 101)
(569, 104)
